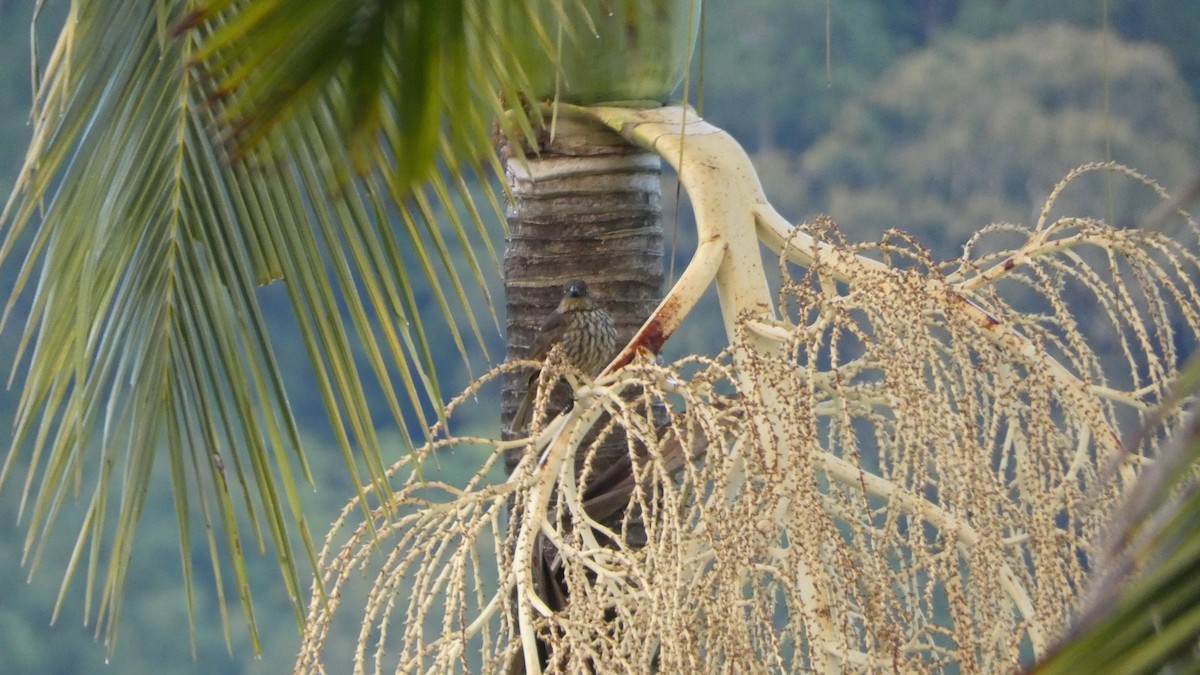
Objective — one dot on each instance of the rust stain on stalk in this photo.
(650, 337)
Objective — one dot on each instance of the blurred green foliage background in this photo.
(932, 116)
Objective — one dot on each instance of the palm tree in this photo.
(177, 162)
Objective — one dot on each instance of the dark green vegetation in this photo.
(936, 117)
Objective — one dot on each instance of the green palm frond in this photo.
(399, 68)
(145, 328)
(185, 154)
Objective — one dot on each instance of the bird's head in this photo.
(576, 297)
(576, 289)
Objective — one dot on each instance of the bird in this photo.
(583, 329)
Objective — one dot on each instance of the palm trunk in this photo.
(588, 206)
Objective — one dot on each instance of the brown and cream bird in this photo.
(586, 333)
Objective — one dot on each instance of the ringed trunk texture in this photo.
(585, 205)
